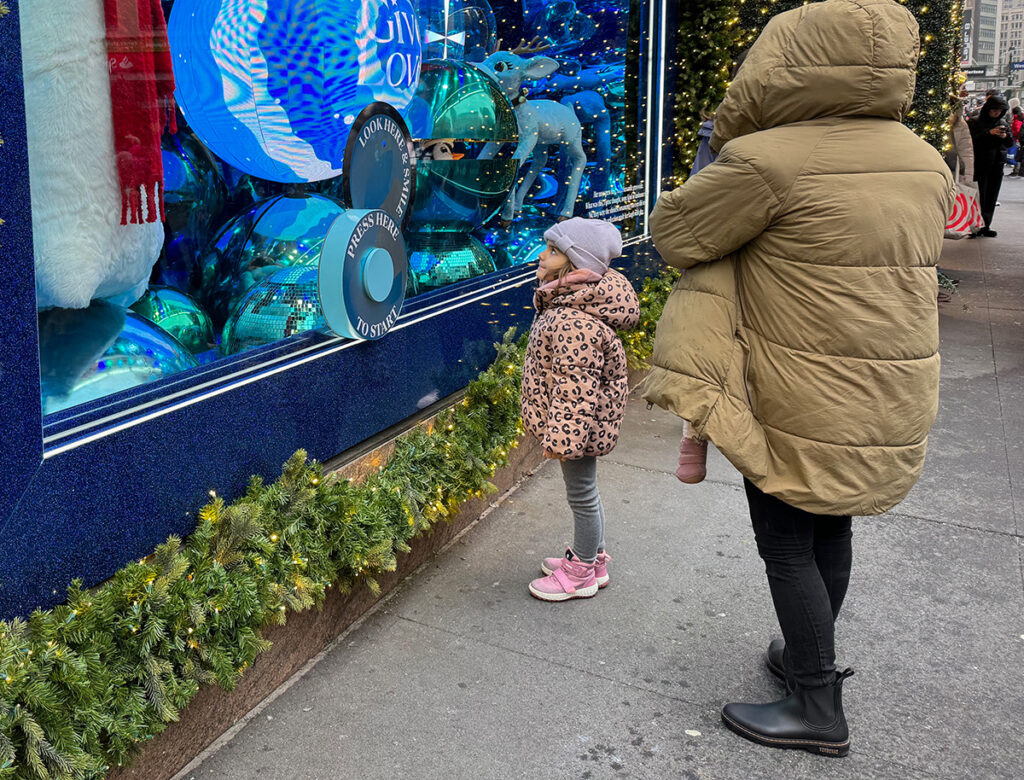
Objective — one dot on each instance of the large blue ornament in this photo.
(178, 314)
(281, 232)
(194, 196)
(458, 107)
(273, 86)
(85, 354)
(280, 306)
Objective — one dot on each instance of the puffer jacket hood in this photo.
(575, 379)
(803, 338)
(993, 101)
(609, 300)
(842, 58)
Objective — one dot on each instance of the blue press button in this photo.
(378, 272)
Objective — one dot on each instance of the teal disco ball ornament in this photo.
(194, 196)
(456, 113)
(439, 259)
(178, 314)
(86, 354)
(273, 88)
(281, 232)
(280, 306)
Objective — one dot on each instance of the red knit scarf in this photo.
(142, 90)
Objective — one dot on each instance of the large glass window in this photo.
(188, 161)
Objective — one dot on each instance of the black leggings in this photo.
(990, 179)
(807, 559)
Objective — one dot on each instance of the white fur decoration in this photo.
(82, 251)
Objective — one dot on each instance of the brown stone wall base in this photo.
(213, 711)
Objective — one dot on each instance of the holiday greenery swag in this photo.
(711, 33)
(84, 684)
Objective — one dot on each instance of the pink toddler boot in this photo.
(574, 580)
(693, 459)
(548, 565)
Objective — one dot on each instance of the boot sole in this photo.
(602, 582)
(581, 593)
(829, 749)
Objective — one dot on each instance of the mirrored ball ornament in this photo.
(282, 232)
(177, 314)
(440, 259)
(194, 197)
(280, 306)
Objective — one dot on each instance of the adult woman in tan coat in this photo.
(802, 338)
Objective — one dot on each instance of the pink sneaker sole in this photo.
(581, 593)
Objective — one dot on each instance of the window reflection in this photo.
(168, 237)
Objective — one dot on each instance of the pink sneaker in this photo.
(575, 580)
(693, 458)
(548, 565)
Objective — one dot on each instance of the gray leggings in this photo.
(585, 501)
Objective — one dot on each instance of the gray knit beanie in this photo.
(588, 243)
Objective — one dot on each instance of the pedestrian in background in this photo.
(1016, 121)
(575, 386)
(704, 156)
(803, 337)
(992, 137)
(960, 157)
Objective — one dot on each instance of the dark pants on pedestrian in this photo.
(807, 559)
(990, 179)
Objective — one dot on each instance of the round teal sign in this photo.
(363, 274)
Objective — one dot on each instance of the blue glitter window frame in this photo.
(84, 491)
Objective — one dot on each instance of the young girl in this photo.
(575, 385)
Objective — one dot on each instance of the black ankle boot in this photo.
(775, 660)
(808, 719)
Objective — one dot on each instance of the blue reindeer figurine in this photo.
(542, 124)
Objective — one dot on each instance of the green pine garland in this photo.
(84, 684)
(639, 342)
(707, 38)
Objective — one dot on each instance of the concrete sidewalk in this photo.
(463, 675)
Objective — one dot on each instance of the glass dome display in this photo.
(178, 314)
(280, 306)
(194, 196)
(285, 231)
(85, 354)
(458, 29)
(457, 110)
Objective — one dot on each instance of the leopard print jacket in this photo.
(574, 377)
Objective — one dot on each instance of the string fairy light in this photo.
(711, 32)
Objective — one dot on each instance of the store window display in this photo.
(196, 165)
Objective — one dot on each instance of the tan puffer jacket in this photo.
(803, 338)
(574, 377)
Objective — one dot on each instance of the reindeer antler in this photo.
(535, 46)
